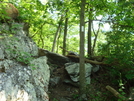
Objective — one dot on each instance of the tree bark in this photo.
(65, 34)
(95, 40)
(88, 61)
(82, 50)
(116, 94)
(89, 45)
(58, 41)
(56, 34)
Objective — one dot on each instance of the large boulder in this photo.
(73, 71)
(22, 83)
(23, 75)
(8, 11)
(14, 43)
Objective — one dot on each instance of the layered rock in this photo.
(23, 75)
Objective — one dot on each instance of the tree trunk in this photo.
(89, 45)
(65, 34)
(82, 50)
(95, 39)
(58, 41)
(56, 34)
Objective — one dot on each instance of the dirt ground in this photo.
(96, 91)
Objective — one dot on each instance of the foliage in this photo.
(117, 44)
(120, 41)
(19, 55)
(55, 99)
(23, 57)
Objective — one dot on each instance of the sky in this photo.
(44, 1)
(106, 25)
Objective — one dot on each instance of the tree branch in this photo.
(88, 61)
(116, 94)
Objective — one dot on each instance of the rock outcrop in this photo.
(23, 75)
(8, 11)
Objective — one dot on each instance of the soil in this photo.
(96, 91)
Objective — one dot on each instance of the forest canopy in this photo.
(109, 28)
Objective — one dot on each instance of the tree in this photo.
(65, 33)
(56, 34)
(95, 39)
(82, 50)
(89, 42)
(119, 43)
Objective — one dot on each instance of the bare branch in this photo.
(116, 94)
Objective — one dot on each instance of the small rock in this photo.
(73, 71)
(54, 81)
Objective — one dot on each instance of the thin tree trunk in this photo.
(58, 41)
(89, 45)
(82, 50)
(65, 34)
(96, 36)
(56, 34)
(41, 38)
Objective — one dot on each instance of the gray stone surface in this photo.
(21, 81)
(54, 81)
(16, 44)
(73, 71)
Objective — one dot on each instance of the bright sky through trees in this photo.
(106, 26)
(44, 1)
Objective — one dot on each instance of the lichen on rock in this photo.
(22, 77)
